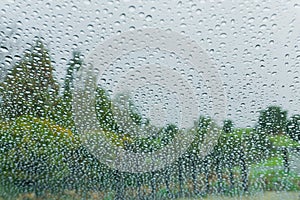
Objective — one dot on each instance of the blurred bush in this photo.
(34, 152)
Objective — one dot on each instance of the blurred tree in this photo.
(158, 139)
(73, 66)
(293, 127)
(168, 133)
(104, 111)
(62, 113)
(202, 129)
(258, 145)
(272, 121)
(228, 126)
(29, 88)
(126, 112)
(244, 170)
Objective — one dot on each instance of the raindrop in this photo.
(4, 49)
(148, 18)
(132, 8)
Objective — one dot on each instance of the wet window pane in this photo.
(149, 99)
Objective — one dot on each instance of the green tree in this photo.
(29, 88)
(202, 130)
(167, 133)
(293, 127)
(104, 111)
(62, 113)
(73, 66)
(228, 126)
(272, 121)
(160, 138)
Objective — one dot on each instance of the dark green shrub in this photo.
(34, 152)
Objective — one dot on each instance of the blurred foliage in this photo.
(272, 121)
(155, 142)
(283, 141)
(73, 66)
(29, 88)
(269, 175)
(203, 127)
(228, 126)
(104, 110)
(230, 145)
(40, 148)
(62, 112)
(34, 151)
(258, 145)
(293, 128)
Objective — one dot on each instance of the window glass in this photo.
(149, 99)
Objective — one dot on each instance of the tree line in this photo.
(31, 105)
(30, 88)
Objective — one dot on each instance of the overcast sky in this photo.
(254, 44)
